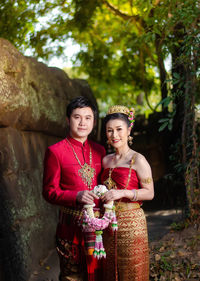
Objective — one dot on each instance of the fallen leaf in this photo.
(177, 278)
(172, 256)
(162, 249)
(181, 254)
(157, 257)
(193, 266)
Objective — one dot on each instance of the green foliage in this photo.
(114, 58)
(123, 47)
(17, 19)
(178, 226)
(113, 53)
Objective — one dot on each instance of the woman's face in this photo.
(117, 132)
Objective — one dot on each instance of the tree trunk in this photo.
(184, 91)
(179, 106)
(162, 71)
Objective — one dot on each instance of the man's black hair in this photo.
(80, 102)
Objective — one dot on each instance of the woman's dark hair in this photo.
(80, 102)
(120, 116)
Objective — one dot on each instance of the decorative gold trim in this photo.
(75, 212)
(146, 180)
(70, 211)
(124, 206)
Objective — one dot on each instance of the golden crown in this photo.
(118, 109)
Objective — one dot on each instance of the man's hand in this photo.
(86, 197)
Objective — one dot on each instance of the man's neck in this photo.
(82, 140)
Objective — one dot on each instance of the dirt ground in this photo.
(176, 256)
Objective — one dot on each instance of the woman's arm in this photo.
(144, 174)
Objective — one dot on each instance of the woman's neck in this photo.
(122, 151)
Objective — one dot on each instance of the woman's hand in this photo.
(112, 195)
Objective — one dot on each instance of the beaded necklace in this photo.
(86, 172)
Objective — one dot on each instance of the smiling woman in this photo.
(128, 178)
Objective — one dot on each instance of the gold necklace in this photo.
(86, 172)
(112, 184)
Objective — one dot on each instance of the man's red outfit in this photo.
(61, 184)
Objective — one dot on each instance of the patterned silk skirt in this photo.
(128, 252)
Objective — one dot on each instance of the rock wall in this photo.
(33, 99)
(34, 96)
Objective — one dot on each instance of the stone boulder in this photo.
(33, 96)
(33, 100)
(27, 222)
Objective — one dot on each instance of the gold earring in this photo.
(130, 140)
(108, 143)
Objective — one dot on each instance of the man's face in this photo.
(81, 123)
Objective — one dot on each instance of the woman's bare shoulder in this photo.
(140, 160)
(139, 156)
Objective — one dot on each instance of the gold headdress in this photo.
(123, 109)
(118, 109)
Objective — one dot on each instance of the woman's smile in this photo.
(115, 140)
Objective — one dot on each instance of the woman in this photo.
(128, 177)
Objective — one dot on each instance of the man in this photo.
(71, 170)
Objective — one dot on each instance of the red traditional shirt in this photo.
(61, 181)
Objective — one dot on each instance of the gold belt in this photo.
(120, 207)
(70, 211)
(123, 206)
(76, 213)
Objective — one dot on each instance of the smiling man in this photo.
(71, 170)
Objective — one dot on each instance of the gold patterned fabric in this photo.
(132, 247)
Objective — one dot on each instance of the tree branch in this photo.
(119, 13)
